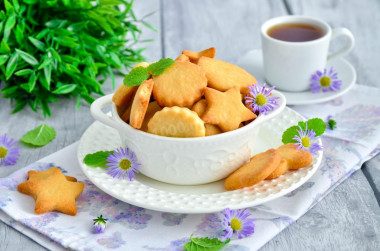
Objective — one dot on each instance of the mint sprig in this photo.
(140, 74)
(39, 136)
(315, 124)
(332, 124)
(97, 159)
(204, 244)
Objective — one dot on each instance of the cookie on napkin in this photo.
(52, 191)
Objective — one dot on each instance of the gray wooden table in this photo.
(349, 217)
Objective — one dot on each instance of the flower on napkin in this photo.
(306, 140)
(235, 221)
(259, 99)
(325, 81)
(331, 123)
(8, 153)
(99, 225)
(122, 162)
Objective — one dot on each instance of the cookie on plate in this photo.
(257, 169)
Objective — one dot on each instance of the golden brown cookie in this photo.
(226, 109)
(153, 107)
(176, 122)
(200, 108)
(257, 169)
(223, 76)
(280, 170)
(52, 191)
(140, 103)
(181, 84)
(126, 114)
(182, 58)
(212, 130)
(296, 158)
(124, 94)
(195, 56)
(40, 175)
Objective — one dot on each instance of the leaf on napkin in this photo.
(40, 136)
(205, 244)
(97, 159)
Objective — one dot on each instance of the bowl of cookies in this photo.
(193, 123)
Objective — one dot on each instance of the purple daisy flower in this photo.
(122, 162)
(326, 81)
(99, 225)
(8, 154)
(305, 140)
(259, 99)
(237, 222)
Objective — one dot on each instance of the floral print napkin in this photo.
(355, 140)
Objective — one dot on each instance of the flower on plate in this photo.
(325, 81)
(8, 153)
(331, 123)
(259, 99)
(122, 162)
(99, 225)
(306, 140)
(235, 221)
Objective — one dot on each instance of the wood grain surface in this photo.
(349, 217)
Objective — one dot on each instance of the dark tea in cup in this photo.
(295, 32)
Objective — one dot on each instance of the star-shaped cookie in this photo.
(226, 109)
(52, 191)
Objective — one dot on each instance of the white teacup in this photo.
(289, 65)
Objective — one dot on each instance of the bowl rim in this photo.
(260, 119)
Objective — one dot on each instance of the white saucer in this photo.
(212, 197)
(253, 63)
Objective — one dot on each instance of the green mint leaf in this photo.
(97, 159)
(136, 76)
(3, 59)
(11, 65)
(40, 136)
(159, 67)
(64, 89)
(315, 124)
(205, 244)
(288, 135)
(332, 124)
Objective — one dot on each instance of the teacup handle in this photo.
(98, 114)
(347, 48)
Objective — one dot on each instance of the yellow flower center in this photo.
(3, 152)
(236, 224)
(325, 81)
(261, 99)
(125, 164)
(306, 141)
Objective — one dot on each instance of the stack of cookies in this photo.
(196, 96)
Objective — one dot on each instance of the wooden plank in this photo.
(347, 219)
(68, 122)
(232, 27)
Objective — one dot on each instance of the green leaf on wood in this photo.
(40, 136)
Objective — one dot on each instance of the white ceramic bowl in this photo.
(186, 161)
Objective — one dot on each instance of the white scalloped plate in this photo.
(151, 194)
